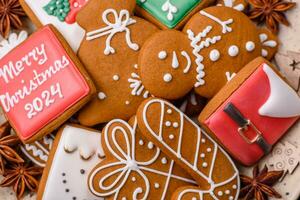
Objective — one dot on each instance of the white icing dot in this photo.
(127, 102)
(264, 53)
(156, 185)
(208, 149)
(168, 123)
(233, 51)
(136, 66)
(220, 193)
(164, 160)
(227, 192)
(171, 137)
(150, 145)
(168, 77)
(175, 124)
(202, 155)
(250, 46)
(116, 77)
(133, 179)
(123, 198)
(234, 187)
(141, 142)
(194, 198)
(101, 95)
(76, 4)
(214, 55)
(204, 164)
(169, 111)
(22, 81)
(231, 198)
(162, 55)
(203, 140)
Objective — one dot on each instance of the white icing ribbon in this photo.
(126, 164)
(119, 25)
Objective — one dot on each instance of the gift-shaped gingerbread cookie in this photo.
(61, 14)
(192, 149)
(134, 168)
(170, 14)
(42, 84)
(76, 150)
(110, 54)
(252, 112)
(214, 45)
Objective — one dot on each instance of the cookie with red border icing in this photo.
(45, 84)
(170, 14)
(75, 151)
(191, 148)
(61, 14)
(134, 168)
(252, 112)
(214, 45)
(110, 54)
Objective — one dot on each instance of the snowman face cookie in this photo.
(76, 150)
(59, 13)
(110, 54)
(217, 43)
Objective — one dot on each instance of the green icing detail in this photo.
(155, 8)
(58, 8)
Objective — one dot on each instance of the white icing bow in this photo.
(126, 164)
(119, 25)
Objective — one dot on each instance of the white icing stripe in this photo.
(119, 25)
(189, 62)
(224, 24)
(128, 163)
(283, 101)
(33, 159)
(178, 153)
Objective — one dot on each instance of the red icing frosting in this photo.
(42, 80)
(75, 7)
(248, 99)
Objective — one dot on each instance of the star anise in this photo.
(10, 13)
(22, 177)
(7, 153)
(260, 185)
(271, 12)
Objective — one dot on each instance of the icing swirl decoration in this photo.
(121, 21)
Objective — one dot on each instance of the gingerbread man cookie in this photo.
(192, 149)
(214, 45)
(110, 54)
(134, 168)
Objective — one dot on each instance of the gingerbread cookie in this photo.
(170, 14)
(76, 150)
(252, 112)
(38, 151)
(215, 44)
(110, 54)
(61, 14)
(134, 168)
(45, 84)
(191, 148)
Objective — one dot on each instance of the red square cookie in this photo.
(42, 84)
(252, 112)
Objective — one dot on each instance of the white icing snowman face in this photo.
(167, 66)
(162, 55)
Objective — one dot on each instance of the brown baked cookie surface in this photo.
(110, 54)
